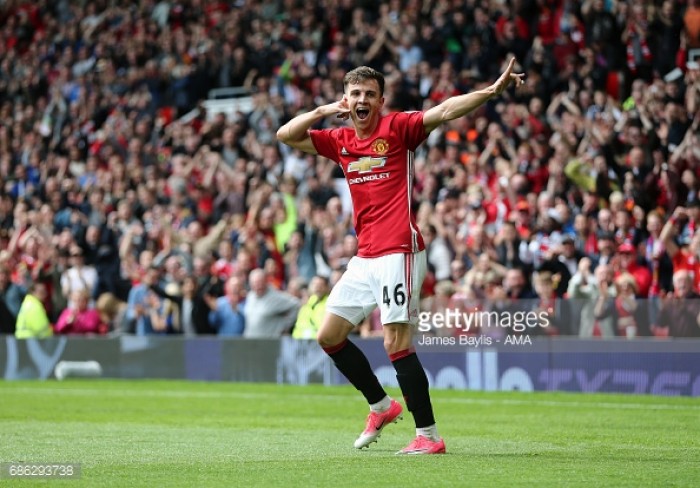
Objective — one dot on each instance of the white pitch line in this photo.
(253, 395)
(553, 403)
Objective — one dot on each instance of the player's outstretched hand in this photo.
(507, 77)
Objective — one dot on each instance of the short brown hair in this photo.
(364, 73)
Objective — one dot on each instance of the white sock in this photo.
(382, 405)
(429, 432)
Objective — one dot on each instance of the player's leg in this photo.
(402, 278)
(348, 358)
(353, 364)
(415, 388)
(349, 303)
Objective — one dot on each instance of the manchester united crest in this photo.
(380, 146)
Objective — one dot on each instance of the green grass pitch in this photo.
(190, 434)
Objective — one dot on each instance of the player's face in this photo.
(365, 103)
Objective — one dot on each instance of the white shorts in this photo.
(392, 282)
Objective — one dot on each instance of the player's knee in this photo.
(328, 339)
(334, 331)
(397, 338)
(394, 344)
(330, 336)
(389, 344)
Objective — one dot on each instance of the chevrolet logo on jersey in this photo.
(366, 164)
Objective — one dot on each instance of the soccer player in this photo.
(377, 157)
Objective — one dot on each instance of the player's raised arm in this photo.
(460, 105)
(295, 133)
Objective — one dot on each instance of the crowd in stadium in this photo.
(577, 194)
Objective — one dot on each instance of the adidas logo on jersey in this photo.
(344, 152)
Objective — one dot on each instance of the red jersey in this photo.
(379, 171)
(686, 260)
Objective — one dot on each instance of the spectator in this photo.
(208, 284)
(656, 256)
(227, 315)
(457, 272)
(508, 244)
(181, 302)
(11, 297)
(477, 276)
(140, 304)
(164, 312)
(629, 263)
(438, 252)
(680, 309)
(682, 257)
(79, 317)
(299, 255)
(606, 248)
(516, 285)
(665, 30)
(548, 303)
(102, 251)
(604, 324)
(32, 320)
(60, 263)
(78, 276)
(311, 313)
(112, 313)
(570, 256)
(593, 292)
(439, 303)
(628, 314)
(268, 312)
(691, 21)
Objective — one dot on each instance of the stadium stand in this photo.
(117, 164)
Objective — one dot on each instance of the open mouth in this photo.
(362, 113)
